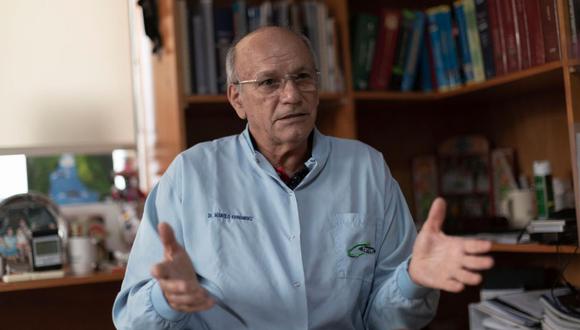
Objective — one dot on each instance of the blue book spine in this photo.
(425, 68)
(466, 63)
(412, 61)
(435, 37)
(448, 47)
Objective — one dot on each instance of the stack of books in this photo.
(208, 28)
(444, 47)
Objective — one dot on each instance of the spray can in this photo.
(543, 188)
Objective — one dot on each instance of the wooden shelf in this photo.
(204, 99)
(519, 82)
(535, 248)
(68, 280)
(574, 63)
(217, 99)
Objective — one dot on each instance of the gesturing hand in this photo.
(177, 277)
(445, 262)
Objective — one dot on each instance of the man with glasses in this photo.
(282, 227)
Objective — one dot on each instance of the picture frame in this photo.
(20, 216)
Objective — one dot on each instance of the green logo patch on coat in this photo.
(361, 248)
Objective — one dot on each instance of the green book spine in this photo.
(363, 46)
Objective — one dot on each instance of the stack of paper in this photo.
(495, 314)
(515, 311)
(561, 310)
(557, 309)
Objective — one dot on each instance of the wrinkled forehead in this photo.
(272, 50)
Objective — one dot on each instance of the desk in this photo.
(72, 302)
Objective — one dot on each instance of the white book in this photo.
(546, 226)
(266, 13)
(210, 47)
(321, 29)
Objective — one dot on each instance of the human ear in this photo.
(235, 99)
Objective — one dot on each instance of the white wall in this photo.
(65, 75)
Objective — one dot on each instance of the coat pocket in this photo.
(355, 251)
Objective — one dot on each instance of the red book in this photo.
(536, 33)
(523, 33)
(507, 12)
(551, 31)
(497, 39)
(390, 22)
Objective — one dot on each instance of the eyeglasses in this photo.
(306, 81)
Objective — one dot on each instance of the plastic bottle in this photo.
(543, 188)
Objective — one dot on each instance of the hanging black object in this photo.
(151, 19)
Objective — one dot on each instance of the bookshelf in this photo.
(534, 248)
(518, 83)
(533, 110)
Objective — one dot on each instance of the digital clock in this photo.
(46, 250)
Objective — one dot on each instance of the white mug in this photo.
(518, 206)
(83, 255)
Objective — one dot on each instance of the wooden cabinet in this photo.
(72, 302)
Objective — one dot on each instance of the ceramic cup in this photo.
(518, 206)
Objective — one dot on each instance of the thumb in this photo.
(168, 240)
(436, 215)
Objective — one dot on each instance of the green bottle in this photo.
(543, 188)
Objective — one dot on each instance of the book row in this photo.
(208, 30)
(445, 47)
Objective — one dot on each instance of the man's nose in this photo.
(289, 91)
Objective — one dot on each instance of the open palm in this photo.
(446, 262)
